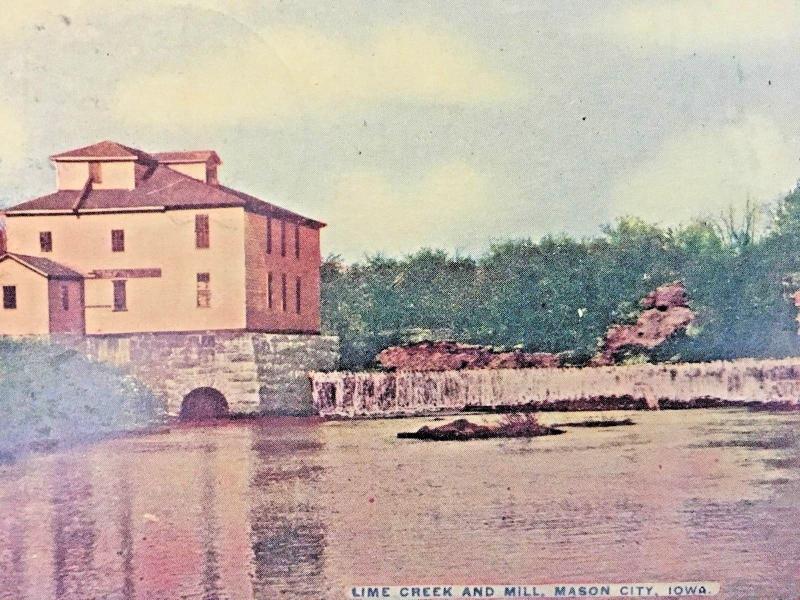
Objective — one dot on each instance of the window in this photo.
(269, 235)
(203, 290)
(95, 172)
(211, 175)
(298, 285)
(118, 240)
(283, 292)
(269, 290)
(46, 241)
(120, 296)
(10, 296)
(297, 241)
(202, 234)
(64, 297)
(283, 238)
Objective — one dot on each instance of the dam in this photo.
(773, 384)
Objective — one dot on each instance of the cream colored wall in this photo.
(71, 175)
(164, 240)
(196, 170)
(32, 315)
(116, 175)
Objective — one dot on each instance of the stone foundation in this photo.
(256, 372)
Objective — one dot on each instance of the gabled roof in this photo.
(106, 150)
(158, 188)
(189, 156)
(43, 266)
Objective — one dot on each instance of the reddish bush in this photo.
(451, 356)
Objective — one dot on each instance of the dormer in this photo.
(109, 166)
(198, 164)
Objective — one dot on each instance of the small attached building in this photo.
(28, 279)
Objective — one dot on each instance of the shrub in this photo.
(49, 393)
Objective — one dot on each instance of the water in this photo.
(294, 508)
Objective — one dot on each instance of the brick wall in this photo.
(298, 256)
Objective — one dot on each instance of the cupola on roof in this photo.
(105, 150)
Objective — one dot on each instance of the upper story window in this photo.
(96, 172)
(203, 290)
(120, 295)
(211, 175)
(202, 233)
(283, 238)
(118, 240)
(64, 297)
(269, 235)
(46, 241)
(270, 286)
(9, 296)
(297, 241)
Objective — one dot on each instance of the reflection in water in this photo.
(125, 531)
(293, 508)
(287, 535)
(210, 529)
(12, 555)
(73, 528)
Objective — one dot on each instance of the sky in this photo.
(422, 124)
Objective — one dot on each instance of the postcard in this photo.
(424, 299)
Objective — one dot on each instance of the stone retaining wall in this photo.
(768, 382)
(256, 372)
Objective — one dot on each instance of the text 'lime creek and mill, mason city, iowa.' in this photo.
(556, 590)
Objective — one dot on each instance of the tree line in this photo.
(560, 294)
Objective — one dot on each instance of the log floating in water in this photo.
(598, 423)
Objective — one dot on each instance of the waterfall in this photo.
(747, 381)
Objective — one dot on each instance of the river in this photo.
(288, 508)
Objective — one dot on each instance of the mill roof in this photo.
(188, 156)
(107, 150)
(158, 187)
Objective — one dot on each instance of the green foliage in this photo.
(51, 393)
(385, 301)
(561, 294)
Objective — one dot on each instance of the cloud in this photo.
(26, 17)
(296, 71)
(36, 16)
(445, 208)
(704, 171)
(13, 138)
(703, 25)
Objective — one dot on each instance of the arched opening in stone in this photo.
(203, 403)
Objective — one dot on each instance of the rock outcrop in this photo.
(671, 295)
(453, 356)
(666, 313)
